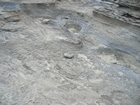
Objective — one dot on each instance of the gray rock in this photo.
(114, 61)
(47, 21)
(68, 55)
(57, 64)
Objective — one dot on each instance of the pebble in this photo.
(68, 55)
(113, 61)
(47, 21)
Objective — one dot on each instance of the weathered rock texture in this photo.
(127, 3)
(69, 52)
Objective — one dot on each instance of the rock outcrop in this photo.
(69, 52)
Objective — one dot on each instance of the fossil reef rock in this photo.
(69, 52)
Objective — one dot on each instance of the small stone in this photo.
(113, 61)
(68, 55)
(72, 30)
(47, 21)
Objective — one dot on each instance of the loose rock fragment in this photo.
(113, 61)
(47, 21)
(68, 55)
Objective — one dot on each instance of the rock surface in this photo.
(100, 38)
